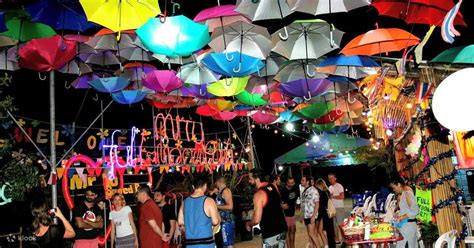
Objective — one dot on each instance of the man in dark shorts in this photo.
(289, 194)
(168, 212)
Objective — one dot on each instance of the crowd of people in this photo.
(205, 218)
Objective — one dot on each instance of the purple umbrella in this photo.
(82, 82)
(162, 81)
(199, 91)
(306, 88)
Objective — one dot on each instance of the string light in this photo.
(252, 126)
(389, 132)
(276, 131)
(409, 106)
(247, 149)
(280, 168)
(289, 126)
(306, 144)
(315, 138)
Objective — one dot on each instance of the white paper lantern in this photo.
(453, 101)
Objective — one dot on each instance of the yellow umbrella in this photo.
(120, 15)
(221, 104)
(228, 86)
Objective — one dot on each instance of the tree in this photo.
(382, 157)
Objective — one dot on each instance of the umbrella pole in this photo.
(52, 140)
(252, 154)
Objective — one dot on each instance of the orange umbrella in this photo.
(380, 40)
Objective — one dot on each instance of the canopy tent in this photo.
(331, 150)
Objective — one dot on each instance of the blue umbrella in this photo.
(340, 79)
(3, 27)
(349, 66)
(338, 129)
(61, 15)
(109, 84)
(177, 36)
(288, 116)
(233, 64)
(128, 96)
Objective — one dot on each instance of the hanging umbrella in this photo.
(338, 129)
(228, 86)
(3, 27)
(177, 36)
(318, 7)
(257, 10)
(109, 84)
(456, 55)
(251, 99)
(224, 116)
(206, 110)
(61, 15)
(306, 88)
(82, 82)
(272, 65)
(288, 116)
(260, 85)
(106, 39)
(20, 27)
(103, 58)
(46, 54)
(196, 73)
(221, 104)
(135, 71)
(75, 66)
(427, 12)
(306, 39)
(7, 41)
(322, 127)
(118, 15)
(244, 38)
(199, 91)
(276, 98)
(219, 16)
(349, 66)
(135, 54)
(316, 110)
(240, 64)
(128, 96)
(162, 81)
(264, 117)
(8, 59)
(330, 117)
(380, 40)
(298, 69)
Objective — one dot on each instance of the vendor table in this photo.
(374, 243)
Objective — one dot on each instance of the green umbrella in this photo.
(456, 55)
(21, 27)
(316, 110)
(251, 99)
(322, 127)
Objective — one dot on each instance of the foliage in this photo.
(382, 157)
(20, 172)
(429, 233)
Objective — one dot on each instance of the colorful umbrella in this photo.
(251, 99)
(338, 129)
(102, 58)
(135, 54)
(306, 39)
(177, 36)
(242, 37)
(196, 73)
(322, 127)
(224, 115)
(456, 55)
(61, 15)
(349, 66)
(221, 104)
(7, 41)
(162, 81)
(264, 117)
(8, 59)
(20, 27)
(219, 16)
(305, 88)
(109, 84)
(298, 69)
(260, 85)
(316, 110)
(228, 86)
(128, 96)
(288, 116)
(318, 7)
(199, 91)
(82, 82)
(119, 15)
(47, 54)
(106, 39)
(257, 10)
(427, 12)
(135, 71)
(3, 28)
(380, 40)
(272, 65)
(239, 65)
(206, 110)
(330, 117)
(75, 66)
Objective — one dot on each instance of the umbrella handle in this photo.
(121, 67)
(307, 98)
(218, 3)
(258, 72)
(62, 46)
(175, 6)
(42, 78)
(201, 92)
(66, 85)
(237, 70)
(349, 98)
(309, 74)
(96, 97)
(229, 58)
(338, 111)
(331, 119)
(162, 18)
(285, 36)
(227, 82)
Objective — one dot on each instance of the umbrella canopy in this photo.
(251, 99)
(272, 65)
(260, 85)
(177, 36)
(224, 115)
(8, 60)
(349, 66)
(244, 38)
(106, 39)
(135, 54)
(61, 15)
(120, 15)
(316, 110)
(298, 69)
(288, 116)
(199, 91)
(264, 117)
(322, 127)
(318, 7)
(109, 84)
(128, 96)
(75, 66)
(429, 12)
(47, 54)
(206, 110)
(306, 39)
(196, 73)
(102, 58)
(338, 129)
(221, 104)
(162, 81)
(380, 41)
(135, 71)
(239, 65)
(228, 86)
(82, 82)
(306, 88)
(20, 27)
(219, 16)
(263, 9)
(456, 55)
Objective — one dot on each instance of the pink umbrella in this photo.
(264, 117)
(219, 16)
(224, 116)
(162, 81)
(243, 113)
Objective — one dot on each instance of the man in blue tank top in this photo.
(199, 215)
(267, 211)
(225, 205)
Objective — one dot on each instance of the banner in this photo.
(424, 200)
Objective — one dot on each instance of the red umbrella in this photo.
(224, 116)
(264, 117)
(205, 110)
(430, 12)
(47, 54)
(330, 117)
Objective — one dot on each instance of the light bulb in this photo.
(315, 138)
(290, 126)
